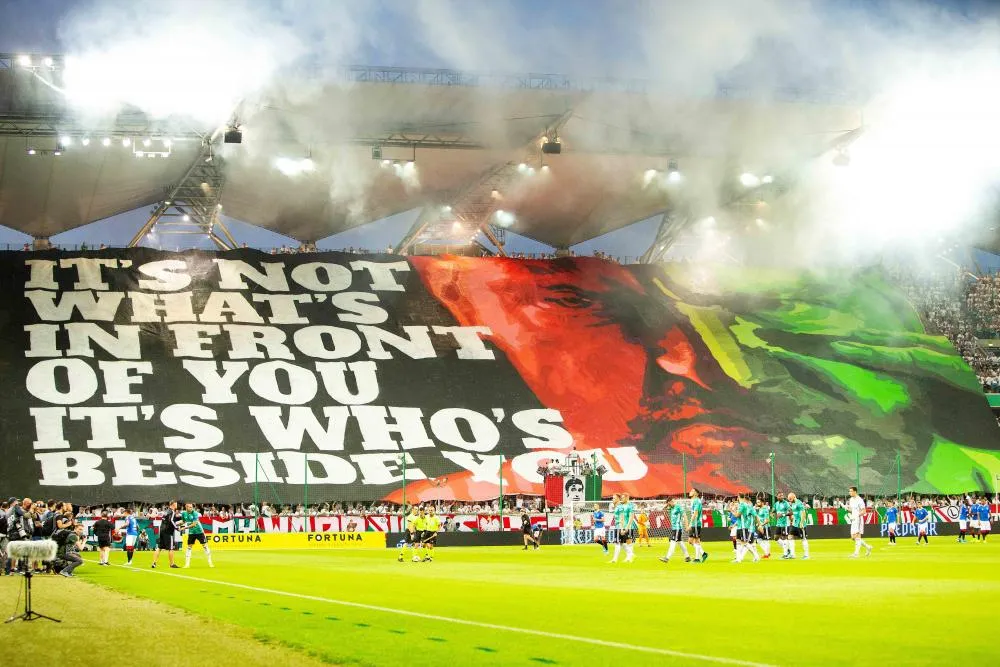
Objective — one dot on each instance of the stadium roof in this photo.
(467, 135)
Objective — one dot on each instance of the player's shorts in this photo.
(676, 535)
(745, 535)
(103, 541)
(798, 532)
(130, 540)
(196, 537)
(694, 531)
(412, 536)
(974, 524)
(732, 531)
(921, 528)
(428, 536)
(984, 526)
(600, 533)
(963, 524)
(764, 533)
(857, 527)
(891, 527)
(625, 535)
(781, 532)
(165, 542)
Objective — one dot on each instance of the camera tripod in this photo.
(29, 613)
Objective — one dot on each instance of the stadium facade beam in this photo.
(192, 205)
(672, 224)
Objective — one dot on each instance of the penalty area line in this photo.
(461, 621)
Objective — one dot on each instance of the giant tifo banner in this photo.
(140, 374)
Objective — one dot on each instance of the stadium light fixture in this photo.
(673, 173)
(32, 151)
(522, 167)
(65, 140)
(749, 180)
(125, 142)
(495, 194)
(648, 176)
(767, 180)
(167, 143)
(233, 135)
(85, 141)
(545, 168)
(24, 61)
(47, 61)
(57, 153)
(106, 141)
(147, 142)
(186, 218)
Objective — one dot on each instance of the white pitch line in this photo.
(462, 621)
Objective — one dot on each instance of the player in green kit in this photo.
(195, 533)
(694, 527)
(781, 512)
(624, 512)
(764, 527)
(798, 528)
(745, 533)
(411, 537)
(678, 522)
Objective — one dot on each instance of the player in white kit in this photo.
(856, 508)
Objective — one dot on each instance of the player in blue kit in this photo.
(984, 519)
(600, 532)
(131, 535)
(922, 518)
(963, 520)
(891, 521)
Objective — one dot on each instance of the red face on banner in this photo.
(563, 326)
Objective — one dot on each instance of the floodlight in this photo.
(24, 61)
(57, 153)
(105, 141)
(545, 168)
(749, 180)
(522, 167)
(446, 208)
(48, 61)
(147, 142)
(31, 151)
(85, 141)
(65, 141)
(186, 218)
(126, 141)
(167, 143)
(140, 154)
(673, 173)
(767, 180)
(386, 163)
(308, 165)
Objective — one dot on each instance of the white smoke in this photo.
(925, 166)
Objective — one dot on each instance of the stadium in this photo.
(667, 359)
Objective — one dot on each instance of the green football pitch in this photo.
(905, 605)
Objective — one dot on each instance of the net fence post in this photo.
(403, 466)
(857, 470)
(500, 498)
(305, 493)
(684, 473)
(899, 477)
(770, 460)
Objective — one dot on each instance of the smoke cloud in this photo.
(924, 82)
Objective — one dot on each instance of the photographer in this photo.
(20, 526)
(3, 540)
(68, 549)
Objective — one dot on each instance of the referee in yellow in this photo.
(432, 524)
